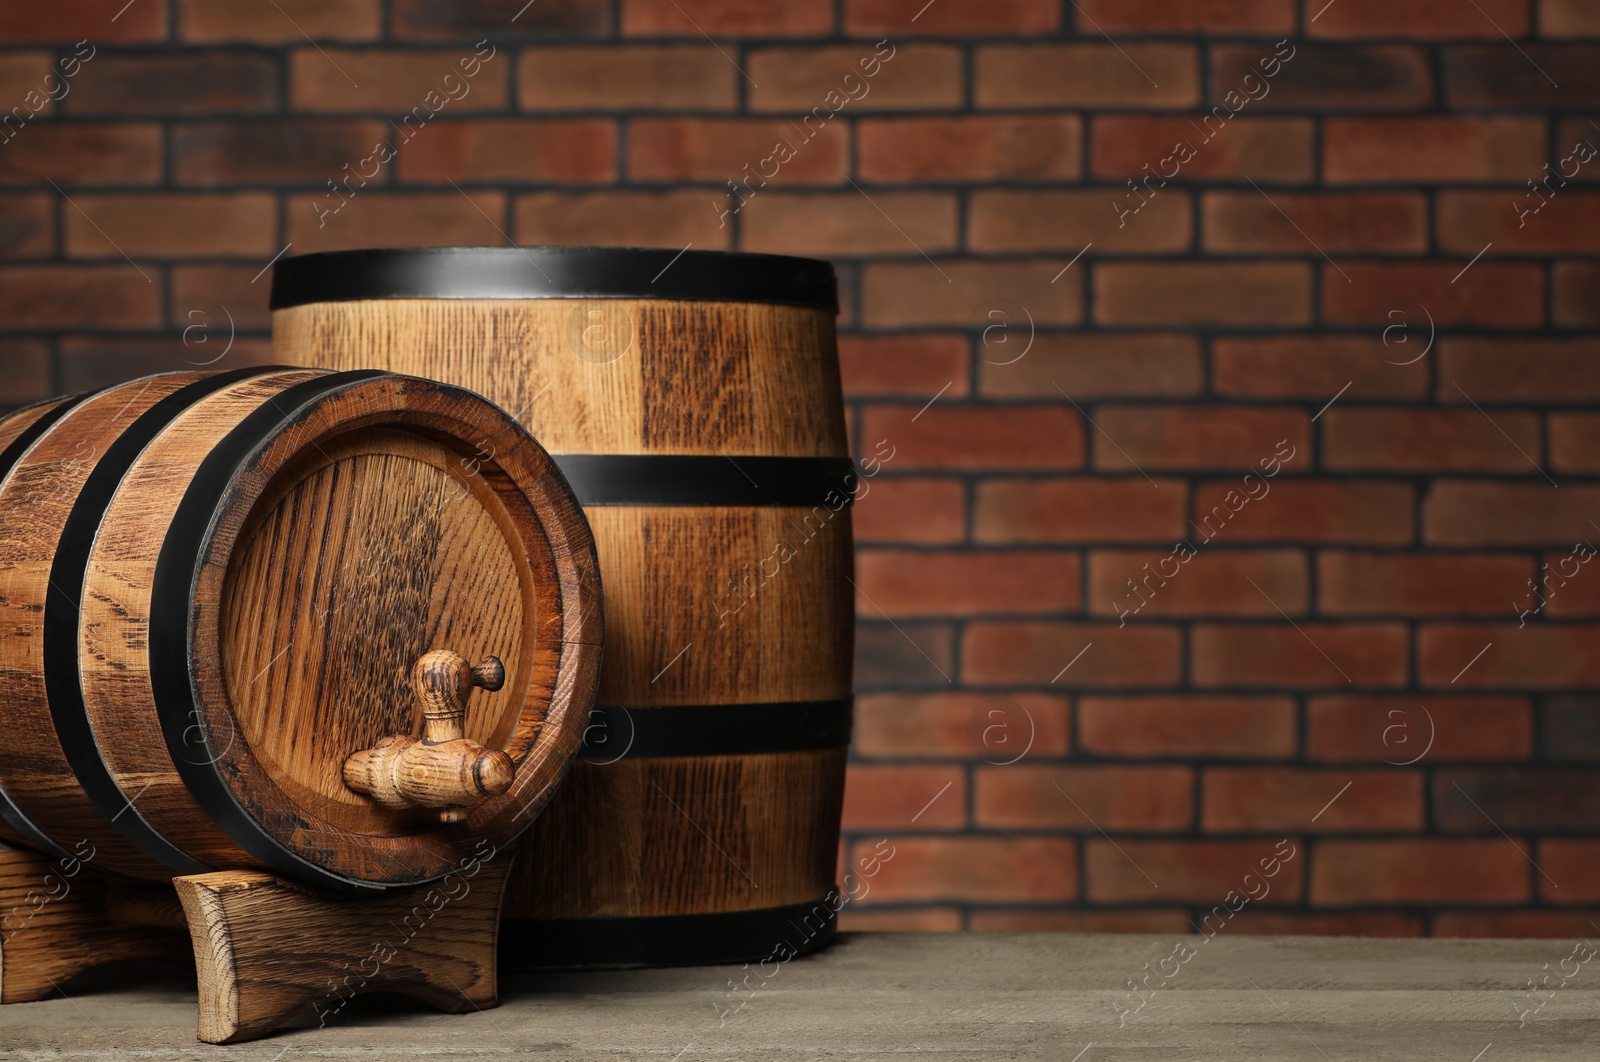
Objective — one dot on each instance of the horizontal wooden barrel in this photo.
(693, 401)
(222, 593)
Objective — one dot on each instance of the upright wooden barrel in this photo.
(229, 603)
(693, 402)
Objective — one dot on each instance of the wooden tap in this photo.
(444, 769)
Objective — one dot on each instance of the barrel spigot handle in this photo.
(444, 769)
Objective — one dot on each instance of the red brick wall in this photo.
(1320, 391)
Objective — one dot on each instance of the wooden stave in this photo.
(349, 333)
(577, 686)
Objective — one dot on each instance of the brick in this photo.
(76, 20)
(918, 77)
(1320, 366)
(1087, 74)
(1429, 440)
(1202, 872)
(904, 365)
(1574, 866)
(280, 151)
(849, 224)
(1187, 725)
(1254, 655)
(567, 151)
(903, 656)
(1093, 365)
(678, 77)
(51, 296)
(1325, 77)
(1199, 437)
(904, 797)
(1573, 437)
(290, 22)
(216, 294)
(474, 20)
(1433, 19)
(1535, 657)
(1575, 300)
(725, 18)
(999, 729)
(1419, 870)
(172, 225)
(1554, 371)
(855, 919)
(1464, 513)
(1523, 925)
(1220, 17)
(741, 150)
(1263, 149)
(87, 153)
(1570, 589)
(22, 73)
(1297, 223)
(1320, 511)
(1489, 800)
(1134, 799)
(1519, 221)
(1540, 76)
(90, 362)
(963, 291)
(970, 148)
(920, 510)
(978, 437)
(965, 583)
(1570, 729)
(1489, 294)
(1344, 924)
(1208, 584)
(623, 218)
(1443, 149)
(28, 373)
(1568, 18)
(371, 219)
(1086, 920)
(176, 82)
(27, 226)
(1399, 729)
(997, 18)
(1210, 293)
(417, 84)
(1058, 219)
(1410, 584)
(1075, 510)
(1262, 799)
(974, 869)
(1078, 655)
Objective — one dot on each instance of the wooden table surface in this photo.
(871, 996)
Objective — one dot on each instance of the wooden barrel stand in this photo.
(693, 402)
(264, 949)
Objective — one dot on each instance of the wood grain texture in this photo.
(337, 529)
(266, 950)
(57, 920)
(35, 500)
(703, 605)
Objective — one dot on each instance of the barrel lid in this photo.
(552, 273)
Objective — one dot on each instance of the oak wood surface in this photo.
(386, 518)
(266, 950)
(57, 919)
(698, 611)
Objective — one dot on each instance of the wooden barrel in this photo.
(693, 402)
(225, 596)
